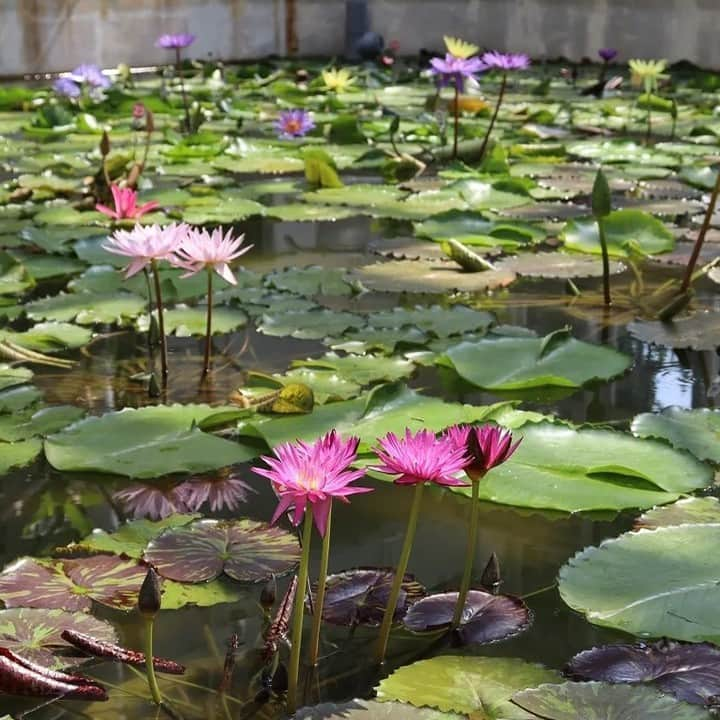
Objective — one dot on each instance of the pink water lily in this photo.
(145, 244)
(214, 250)
(485, 447)
(420, 458)
(126, 207)
(312, 473)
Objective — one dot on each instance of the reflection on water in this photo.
(40, 508)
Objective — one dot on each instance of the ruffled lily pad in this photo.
(557, 265)
(14, 278)
(19, 453)
(621, 151)
(308, 324)
(699, 331)
(87, 308)
(35, 633)
(689, 671)
(46, 337)
(441, 321)
(359, 597)
(519, 363)
(623, 228)
(599, 701)
(11, 376)
(244, 550)
(688, 511)
(468, 685)
(309, 281)
(72, 584)
(30, 423)
(361, 369)
(371, 710)
(307, 212)
(184, 321)
(694, 430)
(650, 583)
(18, 398)
(144, 443)
(486, 618)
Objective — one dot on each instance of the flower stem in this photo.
(161, 322)
(456, 110)
(469, 553)
(648, 132)
(389, 615)
(690, 269)
(152, 680)
(208, 326)
(501, 95)
(178, 65)
(298, 615)
(605, 261)
(320, 596)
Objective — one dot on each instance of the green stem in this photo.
(178, 64)
(456, 110)
(605, 261)
(152, 680)
(469, 553)
(701, 237)
(208, 326)
(501, 94)
(161, 322)
(320, 596)
(298, 615)
(399, 575)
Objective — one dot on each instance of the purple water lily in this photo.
(607, 54)
(175, 42)
(505, 61)
(91, 75)
(67, 87)
(455, 70)
(293, 123)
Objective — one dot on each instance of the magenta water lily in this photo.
(293, 124)
(126, 207)
(175, 42)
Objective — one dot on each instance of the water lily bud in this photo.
(105, 144)
(491, 578)
(150, 595)
(601, 203)
(268, 594)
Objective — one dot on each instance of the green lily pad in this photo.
(478, 686)
(699, 331)
(308, 324)
(361, 196)
(650, 583)
(14, 277)
(694, 430)
(557, 265)
(19, 453)
(361, 369)
(10, 376)
(144, 443)
(371, 710)
(34, 633)
(30, 423)
(177, 595)
(326, 386)
(245, 550)
(365, 340)
(218, 211)
(310, 281)
(506, 363)
(440, 321)
(48, 337)
(571, 470)
(471, 228)
(184, 321)
(87, 308)
(622, 228)
(621, 151)
(43, 267)
(18, 398)
(307, 212)
(599, 701)
(688, 511)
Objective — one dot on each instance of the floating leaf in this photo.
(87, 308)
(362, 369)
(18, 397)
(244, 550)
(371, 710)
(306, 212)
(694, 430)
(72, 584)
(309, 281)
(441, 321)
(699, 331)
(35, 634)
(184, 321)
(557, 265)
(623, 228)
(49, 337)
(359, 597)
(650, 583)
(29, 423)
(486, 618)
(688, 511)
(19, 453)
(599, 701)
(690, 672)
(518, 363)
(467, 685)
(178, 595)
(10, 376)
(145, 443)
(14, 278)
(308, 324)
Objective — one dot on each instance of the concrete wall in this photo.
(37, 35)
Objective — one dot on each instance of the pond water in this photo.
(44, 509)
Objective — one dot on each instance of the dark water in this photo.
(531, 545)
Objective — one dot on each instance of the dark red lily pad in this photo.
(486, 618)
(245, 550)
(689, 671)
(35, 634)
(72, 584)
(359, 597)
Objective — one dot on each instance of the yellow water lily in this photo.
(647, 73)
(460, 48)
(338, 79)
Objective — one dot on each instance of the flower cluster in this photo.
(84, 79)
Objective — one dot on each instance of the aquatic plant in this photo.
(149, 602)
(66, 87)
(338, 79)
(485, 447)
(178, 43)
(453, 70)
(601, 208)
(647, 74)
(607, 55)
(146, 246)
(414, 460)
(213, 252)
(460, 48)
(313, 474)
(126, 207)
(293, 123)
(505, 63)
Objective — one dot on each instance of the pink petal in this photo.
(105, 210)
(224, 271)
(135, 267)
